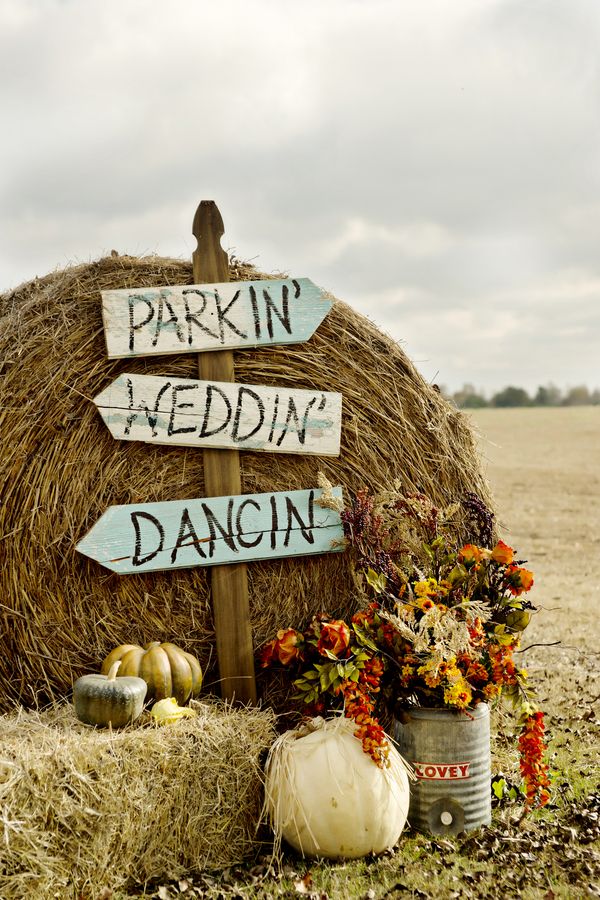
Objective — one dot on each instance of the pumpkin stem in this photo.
(112, 672)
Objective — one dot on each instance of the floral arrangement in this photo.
(438, 625)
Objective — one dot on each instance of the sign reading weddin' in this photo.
(165, 410)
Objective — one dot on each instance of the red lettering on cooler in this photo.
(439, 772)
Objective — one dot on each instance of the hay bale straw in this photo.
(61, 613)
(85, 809)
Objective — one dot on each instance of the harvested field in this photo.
(543, 469)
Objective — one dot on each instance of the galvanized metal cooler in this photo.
(450, 752)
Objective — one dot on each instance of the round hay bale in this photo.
(60, 469)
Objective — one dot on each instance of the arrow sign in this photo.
(199, 317)
(180, 534)
(181, 411)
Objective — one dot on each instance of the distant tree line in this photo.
(546, 395)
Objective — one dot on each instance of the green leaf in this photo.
(376, 581)
(498, 786)
(363, 638)
(311, 675)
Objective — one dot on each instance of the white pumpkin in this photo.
(328, 798)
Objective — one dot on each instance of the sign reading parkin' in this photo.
(183, 533)
(186, 412)
(200, 317)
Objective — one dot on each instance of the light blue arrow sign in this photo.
(181, 411)
(200, 317)
(177, 534)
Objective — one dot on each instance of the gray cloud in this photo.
(434, 164)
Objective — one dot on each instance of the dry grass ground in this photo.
(543, 466)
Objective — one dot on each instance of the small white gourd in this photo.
(326, 797)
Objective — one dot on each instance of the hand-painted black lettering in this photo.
(215, 526)
(260, 407)
(300, 429)
(162, 323)
(238, 524)
(194, 317)
(274, 521)
(255, 312)
(297, 288)
(151, 417)
(291, 412)
(305, 528)
(171, 430)
(222, 317)
(137, 558)
(283, 316)
(274, 418)
(133, 325)
(210, 390)
(186, 530)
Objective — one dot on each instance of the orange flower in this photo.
(335, 637)
(519, 580)
(503, 554)
(534, 768)
(288, 645)
(425, 603)
(470, 555)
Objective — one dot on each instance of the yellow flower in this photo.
(427, 588)
(458, 694)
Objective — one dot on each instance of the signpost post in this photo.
(225, 528)
(229, 584)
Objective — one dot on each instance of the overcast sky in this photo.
(435, 163)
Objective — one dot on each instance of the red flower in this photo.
(334, 637)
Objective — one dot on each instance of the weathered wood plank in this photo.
(176, 534)
(202, 317)
(180, 411)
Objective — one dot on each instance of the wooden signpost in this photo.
(193, 318)
(162, 410)
(176, 534)
(224, 529)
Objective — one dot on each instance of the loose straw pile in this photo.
(86, 809)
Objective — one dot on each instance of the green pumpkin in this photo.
(107, 700)
(167, 669)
